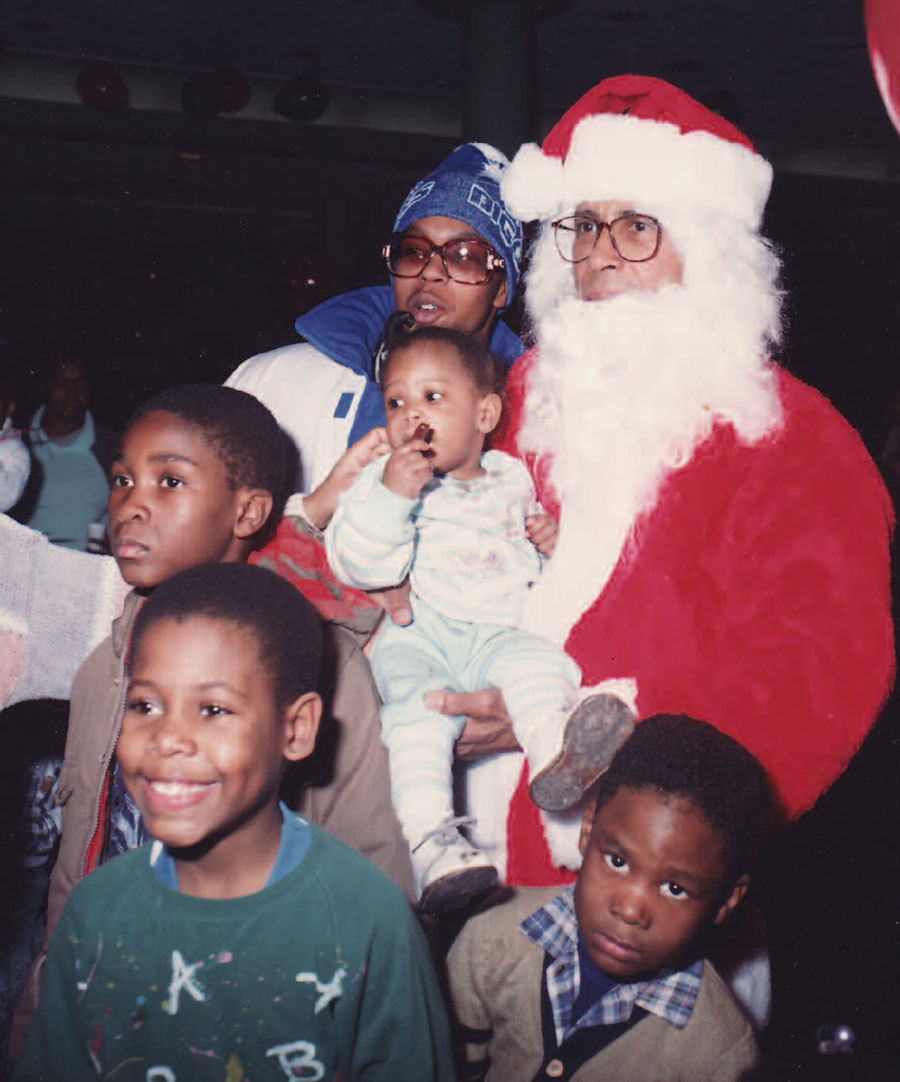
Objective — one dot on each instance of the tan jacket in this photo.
(495, 979)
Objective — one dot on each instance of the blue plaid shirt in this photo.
(671, 996)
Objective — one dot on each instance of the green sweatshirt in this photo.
(324, 974)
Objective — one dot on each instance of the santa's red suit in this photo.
(755, 595)
(752, 589)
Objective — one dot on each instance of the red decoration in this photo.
(101, 87)
(883, 33)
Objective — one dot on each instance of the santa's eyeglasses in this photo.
(634, 237)
(464, 259)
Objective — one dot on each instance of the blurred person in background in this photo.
(71, 456)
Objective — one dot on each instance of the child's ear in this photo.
(253, 510)
(489, 413)
(301, 723)
(587, 823)
(733, 900)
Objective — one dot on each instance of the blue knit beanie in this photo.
(466, 186)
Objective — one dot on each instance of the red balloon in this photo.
(101, 86)
(883, 33)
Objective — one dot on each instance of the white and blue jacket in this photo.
(324, 391)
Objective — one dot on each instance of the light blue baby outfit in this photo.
(470, 565)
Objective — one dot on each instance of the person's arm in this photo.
(56, 1046)
(488, 728)
(370, 539)
(778, 630)
(15, 466)
(399, 1030)
(471, 1004)
(319, 505)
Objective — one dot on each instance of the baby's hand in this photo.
(359, 454)
(321, 502)
(542, 531)
(409, 468)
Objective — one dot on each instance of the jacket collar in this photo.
(348, 329)
(122, 625)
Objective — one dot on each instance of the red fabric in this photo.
(95, 845)
(756, 594)
(300, 558)
(646, 98)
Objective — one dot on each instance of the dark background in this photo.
(171, 245)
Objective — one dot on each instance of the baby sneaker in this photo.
(593, 733)
(449, 871)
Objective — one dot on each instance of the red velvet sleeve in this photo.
(758, 598)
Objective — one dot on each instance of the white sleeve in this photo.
(313, 398)
(15, 466)
(370, 539)
(56, 604)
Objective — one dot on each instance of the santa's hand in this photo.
(395, 602)
(487, 729)
(408, 469)
(542, 531)
(319, 505)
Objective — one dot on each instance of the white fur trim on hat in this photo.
(642, 162)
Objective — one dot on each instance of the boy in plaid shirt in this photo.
(607, 980)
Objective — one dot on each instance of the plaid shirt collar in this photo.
(671, 996)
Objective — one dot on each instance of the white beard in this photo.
(623, 392)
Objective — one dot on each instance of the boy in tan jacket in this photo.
(607, 980)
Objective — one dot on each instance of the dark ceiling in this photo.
(791, 70)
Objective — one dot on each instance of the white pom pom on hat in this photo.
(638, 139)
(534, 189)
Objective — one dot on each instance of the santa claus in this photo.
(724, 536)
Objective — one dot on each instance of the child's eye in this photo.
(673, 890)
(119, 480)
(142, 707)
(433, 396)
(616, 862)
(171, 482)
(214, 710)
(394, 403)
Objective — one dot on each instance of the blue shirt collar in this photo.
(295, 839)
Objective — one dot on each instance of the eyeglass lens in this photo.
(464, 260)
(634, 236)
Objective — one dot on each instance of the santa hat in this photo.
(641, 140)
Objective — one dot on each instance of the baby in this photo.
(458, 520)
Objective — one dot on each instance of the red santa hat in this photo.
(643, 141)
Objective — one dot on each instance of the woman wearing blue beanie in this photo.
(454, 258)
